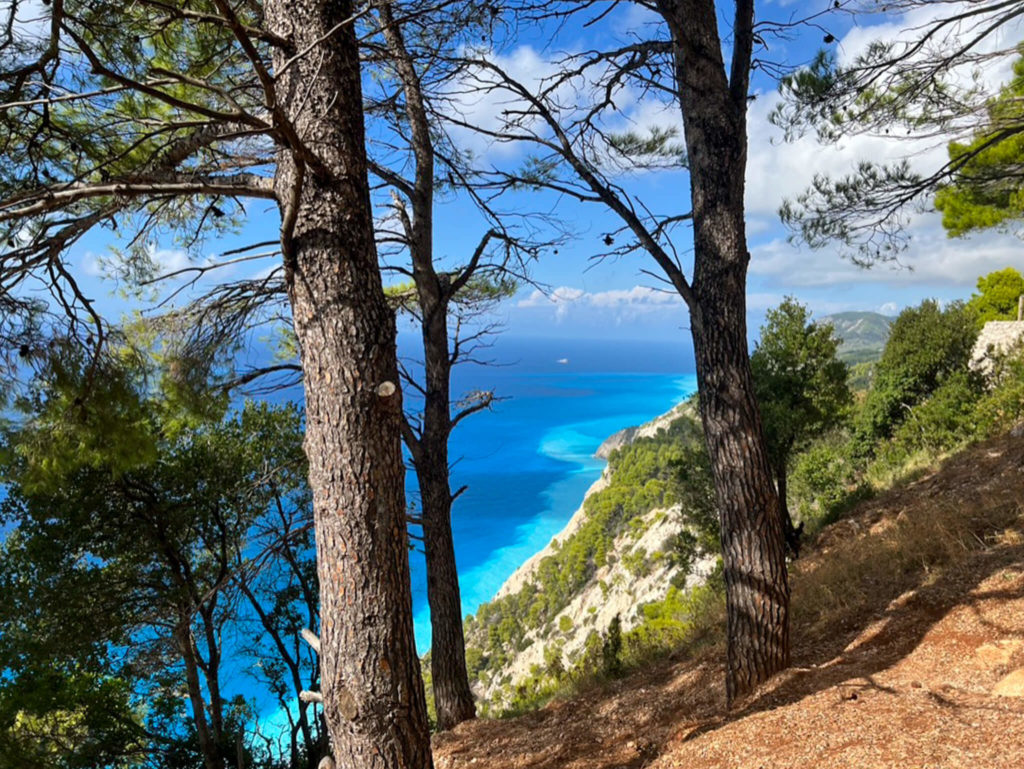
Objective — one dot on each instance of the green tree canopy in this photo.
(135, 532)
(985, 190)
(927, 344)
(998, 295)
(801, 385)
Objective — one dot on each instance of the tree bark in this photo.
(208, 743)
(753, 546)
(453, 698)
(372, 689)
(793, 534)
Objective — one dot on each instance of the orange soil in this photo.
(903, 677)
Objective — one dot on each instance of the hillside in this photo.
(908, 651)
(863, 333)
(645, 529)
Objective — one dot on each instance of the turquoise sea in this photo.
(528, 462)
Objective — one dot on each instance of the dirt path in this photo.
(907, 616)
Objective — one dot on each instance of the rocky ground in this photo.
(908, 652)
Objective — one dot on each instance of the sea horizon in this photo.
(528, 462)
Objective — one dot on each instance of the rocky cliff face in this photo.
(638, 572)
(646, 430)
(525, 631)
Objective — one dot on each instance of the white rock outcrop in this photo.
(638, 571)
(998, 337)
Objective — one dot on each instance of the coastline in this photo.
(621, 438)
(595, 414)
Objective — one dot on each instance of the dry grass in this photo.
(886, 552)
(891, 606)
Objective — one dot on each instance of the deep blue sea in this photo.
(528, 462)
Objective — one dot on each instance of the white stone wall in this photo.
(998, 336)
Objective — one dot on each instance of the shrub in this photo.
(823, 481)
(926, 345)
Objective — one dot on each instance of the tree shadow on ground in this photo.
(948, 533)
(865, 595)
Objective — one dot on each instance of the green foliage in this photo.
(682, 619)
(478, 294)
(927, 344)
(845, 210)
(611, 648)
(924, 403)
(998, 295)
(55, 719)
(636, 563)
(124, 522)
(659, 146)
(941, 422)
(823, 482)
(799, 382)
(1002, 405)
(428, 689)
(810, 89)
(85, 416)
(882, 90)
(861, 376)
(536, 172)
(986, 188)
(669, 468)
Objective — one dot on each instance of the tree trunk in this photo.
(453, 698)
(372, 689)
(207, 742)
(793, 534)
(781, 483)
(753, 546)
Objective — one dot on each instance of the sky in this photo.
(580, 297)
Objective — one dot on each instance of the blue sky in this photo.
(588, 299)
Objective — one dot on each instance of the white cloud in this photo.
(638, 296)
(31, 21)
(162, 261)
(560, 299)
(92, 265)
(620, 305)
(479, 100)
(561, 295)
(167, 260)
(931, 259)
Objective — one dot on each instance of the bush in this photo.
(926, 345)
(823, 481)
(943, 421)
(1003, 406)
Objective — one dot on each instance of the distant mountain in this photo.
(864, 334)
